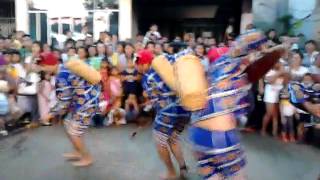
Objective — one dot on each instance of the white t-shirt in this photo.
(272, 91)
(314, 70)
(298, 74)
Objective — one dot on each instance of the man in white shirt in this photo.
(315, 68)
(311, 53)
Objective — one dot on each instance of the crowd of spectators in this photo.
(28, 89)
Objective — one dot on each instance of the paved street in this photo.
(36, 155)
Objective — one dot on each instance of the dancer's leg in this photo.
(176, 149)
(164, 154)
(78, 143)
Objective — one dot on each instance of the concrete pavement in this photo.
(36, 155)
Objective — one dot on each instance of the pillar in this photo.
(22, 16)
(125, 19)
(246, 15)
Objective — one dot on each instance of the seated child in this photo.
(132, 108)
(130, 77)
(117, 114)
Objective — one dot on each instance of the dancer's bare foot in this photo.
(169, 176)
(72, 156)
(183, 172)
(83, 162)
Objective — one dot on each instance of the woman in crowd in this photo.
(44, 92)
(274, 81)
(201, 54)
(126, 57)
(130, 77)
(94, 60)
(296, 70)
(83, 55)
(272, 38)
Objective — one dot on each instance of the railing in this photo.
(7, 26)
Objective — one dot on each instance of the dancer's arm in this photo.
(261, 66)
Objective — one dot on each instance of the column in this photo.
(22, 16)
(125, 19)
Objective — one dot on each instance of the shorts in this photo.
(286, 108)
(271, 95)
(218, 152)
(167, 129)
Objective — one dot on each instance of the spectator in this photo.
(130, 78)
(115, 58)
(44, 92)
(201, 54)
(315, 68)
(296, 70)
(93, 59)
(138, 46)
(80, 43)
(104, 38)
(273, 86)
(126, 57)
(104, 71)
(71, 53)
(116, 115)
(302, 116)
(114, 85)
(151, 46)
(152, 34)
(26, 49)
(2, 45)
(158, 50)
(15, 69)
(101, 50)
(131, 108)
(27, 90)
(46, 48)
(311, 53)
(4, 102)
(88, 41)
(272, 38)
(83, 56)
(200, 40)
(139, 38)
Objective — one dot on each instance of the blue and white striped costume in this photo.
(170, 116)
(300, 93)
(77, 98)
(219, 153)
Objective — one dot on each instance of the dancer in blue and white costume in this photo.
(213, 133)
(77, 101)
(170, 118)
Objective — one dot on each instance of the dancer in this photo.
(213, 132)
(78, 99)
(170, 116)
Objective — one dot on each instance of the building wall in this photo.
(310, 26)
(266, 13)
